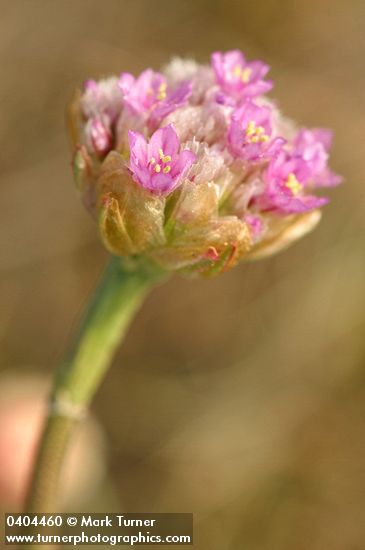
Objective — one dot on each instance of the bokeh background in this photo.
(241, 399)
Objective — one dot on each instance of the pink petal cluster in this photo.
(313, 146)
(158, 165)
(239, 78)
(286, 179)
(200, 124)
(250, 133)
(150, 97)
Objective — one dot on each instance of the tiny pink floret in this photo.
(159, 165)
(250, 133)
(149, 95)
(239, 78)
(287, 180)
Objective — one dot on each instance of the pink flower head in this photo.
(194, 167)
(238, 77)
(99, 135)
(286, 180)
(158, 165)
(149, 95)
(313, 146)
(250, 133)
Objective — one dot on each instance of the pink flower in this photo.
(286, 180)
(149, 95)
(158, 165)
(250, 133)
(303, 167)
(313, 146)
(239, 78)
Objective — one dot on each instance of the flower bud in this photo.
(131, 218)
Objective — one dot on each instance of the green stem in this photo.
(116, 300)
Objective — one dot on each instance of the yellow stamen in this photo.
(251, 128)
(293, 184)
(246, 74)
(256, 134)
(166, 170)
(157, 168)
(163, 157)
(237, 71)
(243, 74)
(161, 94)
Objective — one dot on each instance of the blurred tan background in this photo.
(241, 399)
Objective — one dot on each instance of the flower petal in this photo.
(165, 140)
(185, 159)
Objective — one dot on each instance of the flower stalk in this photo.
(120, 294)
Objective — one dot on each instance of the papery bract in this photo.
(102, 98)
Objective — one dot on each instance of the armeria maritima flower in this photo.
(194, 167)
